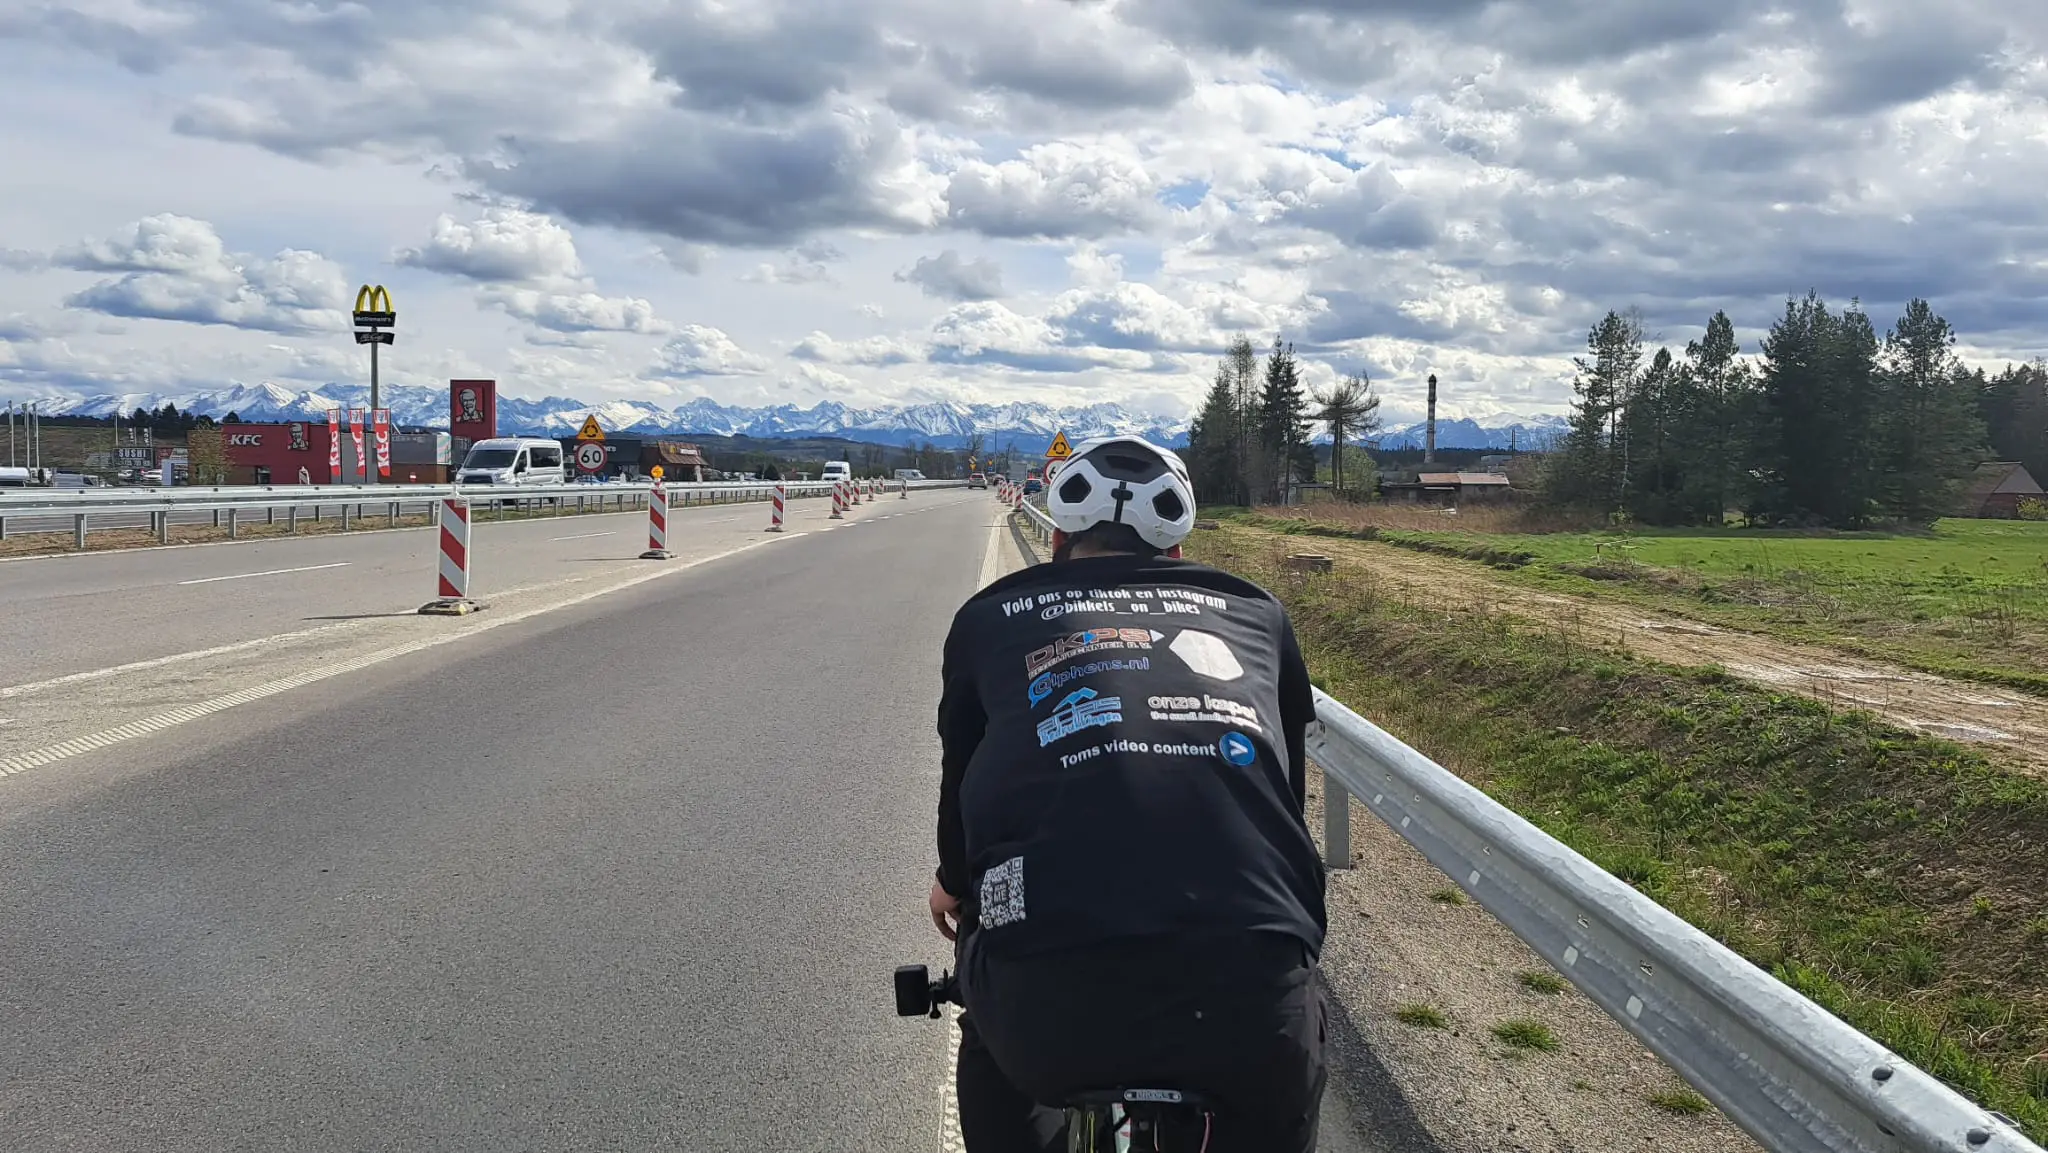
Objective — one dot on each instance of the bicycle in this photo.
(1113, 1120)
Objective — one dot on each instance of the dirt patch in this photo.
(2009, 727)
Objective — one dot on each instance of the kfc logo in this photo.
(245, 440)
(468, 410)
(298, 434)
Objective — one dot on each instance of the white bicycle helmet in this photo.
(1124, 480)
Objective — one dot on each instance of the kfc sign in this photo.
(473, 409)
(297, 429)
(245, 439)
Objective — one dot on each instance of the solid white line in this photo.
(585, 535)
(10, 766)
(155, 662)
(267, 572)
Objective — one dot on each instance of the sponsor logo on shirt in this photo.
(1049, 683)
(1087, 641)
(1220, 710)
(1207, 655)
(1078, 710)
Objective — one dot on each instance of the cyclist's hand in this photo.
(945, 909)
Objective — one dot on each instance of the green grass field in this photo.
(1968, 598)
(1899, 880)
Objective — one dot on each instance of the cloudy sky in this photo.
(887, 201)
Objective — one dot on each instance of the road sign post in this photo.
(590, 457)
(373, 318)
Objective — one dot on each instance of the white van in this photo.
(909, 474)
(836, 470)
(513, 460)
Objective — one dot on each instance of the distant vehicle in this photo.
(1032, 484)
(513, 460)
(976, 480)
(909, 474)
(836, 470)
(16, 478)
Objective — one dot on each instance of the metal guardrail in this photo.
(74, 510)
(1792, 1075)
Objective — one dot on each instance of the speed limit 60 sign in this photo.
(590, 456)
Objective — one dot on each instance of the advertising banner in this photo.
(333, 446)
(381, 420)
(355, 433)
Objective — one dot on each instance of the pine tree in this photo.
(1928, 432)
(1653, 476)
(1212, 455)
(1717, 413)
(1588, 471)
(2014, 408)
(1241, 363)
(1283, 423)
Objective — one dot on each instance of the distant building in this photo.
(1996, 489)
(1449, 488)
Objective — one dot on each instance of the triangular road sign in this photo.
(1060, 449)
(590, 429)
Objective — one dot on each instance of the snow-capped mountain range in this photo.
(947, 425)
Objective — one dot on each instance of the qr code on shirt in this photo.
(1002, 894)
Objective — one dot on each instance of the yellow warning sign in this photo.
(655, 472)
(590, 429)
(1060, 449)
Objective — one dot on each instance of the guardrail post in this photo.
(163, 527)
(3, 528)
(392, 520)
(216, 518)
(1336, 822)
(78, 531)
(344, 518)
(291, 519)
(234, 520)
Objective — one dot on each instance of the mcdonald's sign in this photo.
(373, 307)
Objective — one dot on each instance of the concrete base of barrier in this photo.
(451, 607)
(657, 554)
(773, 528)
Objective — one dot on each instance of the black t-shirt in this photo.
(1123, 757)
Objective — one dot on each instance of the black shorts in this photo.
(1240, 1020)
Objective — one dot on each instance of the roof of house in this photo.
(1995, 477)
(687, 455)
(1461, 479)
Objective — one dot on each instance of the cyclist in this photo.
(1123, 858)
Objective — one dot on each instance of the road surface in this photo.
(622, 862)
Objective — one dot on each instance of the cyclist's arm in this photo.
(961, 723)
(1297, 712)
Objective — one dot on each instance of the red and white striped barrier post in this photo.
(453, 585)
(869, 485)
(903, 490)
(657, 525)
(775, 516)
(838, 500)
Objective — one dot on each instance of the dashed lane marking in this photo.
(242, 576)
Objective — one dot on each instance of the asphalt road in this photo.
(627, 874)
(630, 875)
(69, 613)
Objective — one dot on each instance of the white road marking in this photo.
(584, 535)
(11, 766)
(157, 662)
(267, 572)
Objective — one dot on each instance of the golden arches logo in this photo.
(373, 299)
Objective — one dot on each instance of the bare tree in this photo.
(1350, 410)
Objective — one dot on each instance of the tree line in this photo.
(1252, 436)
(1831, 424)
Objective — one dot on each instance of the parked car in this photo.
(1032, 484)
